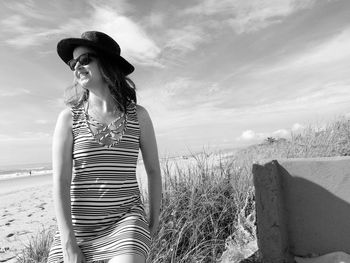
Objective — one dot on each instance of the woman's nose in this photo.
(77, 65)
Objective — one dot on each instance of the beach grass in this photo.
(208, 212)
(37, 248)
(202, 199)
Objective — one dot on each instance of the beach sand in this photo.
(26, 208)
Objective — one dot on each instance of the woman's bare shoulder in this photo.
(142, 113)
(140, 109)
(65, 117)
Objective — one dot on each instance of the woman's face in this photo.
(87, 75)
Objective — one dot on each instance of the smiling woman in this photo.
(99, 211)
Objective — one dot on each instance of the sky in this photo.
(213, 74)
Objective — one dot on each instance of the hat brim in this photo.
(66, 47)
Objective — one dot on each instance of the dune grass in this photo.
(200, 206)
(332, 139)
(37, 248)
(208, 211)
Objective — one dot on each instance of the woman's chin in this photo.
(84, 83)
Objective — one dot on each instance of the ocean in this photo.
(22, 170)
(25, 170)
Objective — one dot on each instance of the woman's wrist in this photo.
(68, 239)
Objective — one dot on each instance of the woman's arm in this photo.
(149, 152)
(62, 174)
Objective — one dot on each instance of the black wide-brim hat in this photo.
(98, 41)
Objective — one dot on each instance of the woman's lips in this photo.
(83, 74)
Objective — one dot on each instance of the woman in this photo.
(99, 212)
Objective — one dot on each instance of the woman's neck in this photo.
(102, 102)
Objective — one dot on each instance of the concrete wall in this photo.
(303, 207)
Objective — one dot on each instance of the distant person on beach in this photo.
(96, 143)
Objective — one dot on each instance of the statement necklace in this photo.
(107, 135)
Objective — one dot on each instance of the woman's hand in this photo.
(73, 254)
(153, 226)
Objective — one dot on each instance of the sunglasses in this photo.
(83, 60)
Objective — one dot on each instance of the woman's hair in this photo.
(122, 88)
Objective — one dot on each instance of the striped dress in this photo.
(107, 213)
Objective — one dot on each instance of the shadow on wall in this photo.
(303, 207)
(318, 222)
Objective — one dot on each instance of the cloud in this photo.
(185, 39)
(137, 46)
(26, 137)
(57, 103)
(249, 16)
(212, 7)
(42, 121)
(15, 22)
(183, 93)
(297, 127)
(315, 76)
(21, 34)
(155, 19)
(175, 87)
(331, 97)
(134, 41)
(281, 133)
(331, 53)
(31, 39)
(26, 8)
(332, 50)
(250, 135)
(6, 138)
(255, 15)
(185, 104)
(14, 92)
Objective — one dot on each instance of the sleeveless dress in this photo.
(107, 213)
